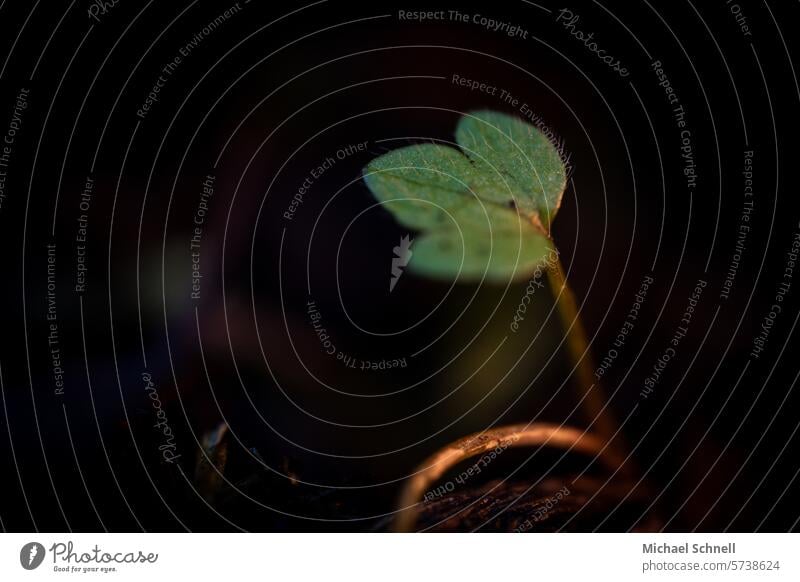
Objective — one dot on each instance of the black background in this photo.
(277, 89)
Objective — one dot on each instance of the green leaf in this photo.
(497, 256)
(516, 160)
(421, 184)
(482, 214)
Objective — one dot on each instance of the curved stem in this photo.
(602, 442)
(518, 435)
(594, 401)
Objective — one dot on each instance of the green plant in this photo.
(485, 213)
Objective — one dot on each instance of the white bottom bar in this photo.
(381, 557)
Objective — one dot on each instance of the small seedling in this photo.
(484, 213)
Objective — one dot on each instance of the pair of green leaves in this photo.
(485, 210)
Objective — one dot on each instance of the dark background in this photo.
(274, 91)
